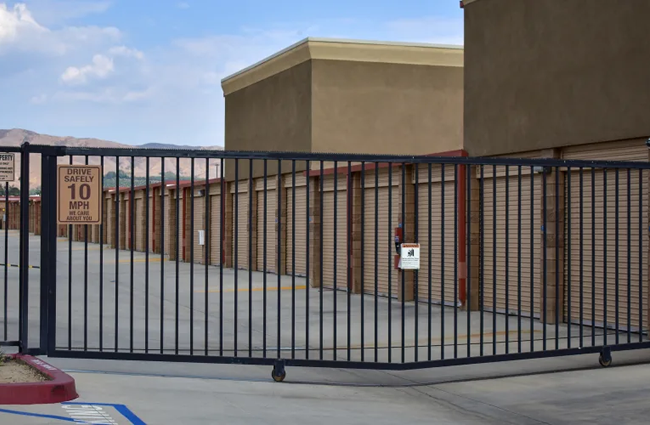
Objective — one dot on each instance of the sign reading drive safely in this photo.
(78, 194)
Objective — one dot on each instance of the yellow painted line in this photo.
(268, 288)
(141, 260)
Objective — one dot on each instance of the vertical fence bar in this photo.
(24, 250)
(640, 255)
(532, 259)
(468, 256)
(101, 262)
(293, 259)
(557, 256)
(163, 187)
(348, 218)
(376, 258)
(390, 285)
(569, 222)
(191, 238)
(544, 259)
(593, 256)
(519, 169)
(264, 242)
(251, 192)
(279, 255)
(334, 285)
(146, 256)
(71, 159)
(236, 255)
(222, 215)
(362, 256)
(131, 243)
(6, 262)
(416, 298)
(581, 258)
(403, 272)
(443, 345)
(320, 241)
(307, 256)
(605, 331)
(507, 259)
(482, 257)
(616, 280)
(430, 259)
(494, 260)
(208, 253)
(456, 180)
(177, 255)
(629, 256)
(86, 282)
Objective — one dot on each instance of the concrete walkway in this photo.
(552, 391)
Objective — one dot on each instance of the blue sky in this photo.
(140, 71)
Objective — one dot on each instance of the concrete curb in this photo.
(61, 386)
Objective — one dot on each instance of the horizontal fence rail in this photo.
(293, 259)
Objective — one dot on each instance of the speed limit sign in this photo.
(78, 193)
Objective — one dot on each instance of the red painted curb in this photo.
(59, 388)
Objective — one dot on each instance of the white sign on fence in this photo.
(410, 256)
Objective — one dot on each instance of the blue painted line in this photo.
(121, 408)
(38, 415)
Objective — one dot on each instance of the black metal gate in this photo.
(190, 262)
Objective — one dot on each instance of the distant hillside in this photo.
(15, 137)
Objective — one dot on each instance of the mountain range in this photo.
(16, 136)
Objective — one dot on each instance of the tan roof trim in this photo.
(344, 50)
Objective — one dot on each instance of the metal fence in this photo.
(290, 259)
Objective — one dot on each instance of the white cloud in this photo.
(17, 21)
(100, 67)
(20, 32)
(125, 52)
(57, 12)
(39, 99)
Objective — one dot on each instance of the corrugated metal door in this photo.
(330, 255)
(215, 229)
(240, 221)
(506, 272)
(301, 231)
(377, 225)
(591, 273)
(271, 235)
(139, 224)
(199, 224)
(431, 206)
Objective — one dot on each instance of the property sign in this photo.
(78, 194)
(410, 256)
(7, 167)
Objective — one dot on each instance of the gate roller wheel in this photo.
(279, 373)
(278, 377)
(605, 361)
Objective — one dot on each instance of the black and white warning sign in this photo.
(410, 256)
(7, 167)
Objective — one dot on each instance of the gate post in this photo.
(49, 229)
(23, 280)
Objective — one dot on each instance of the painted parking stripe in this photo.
(37, 415)
(121, 409)
(257, 289)
(86, 413)
(18, 265)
